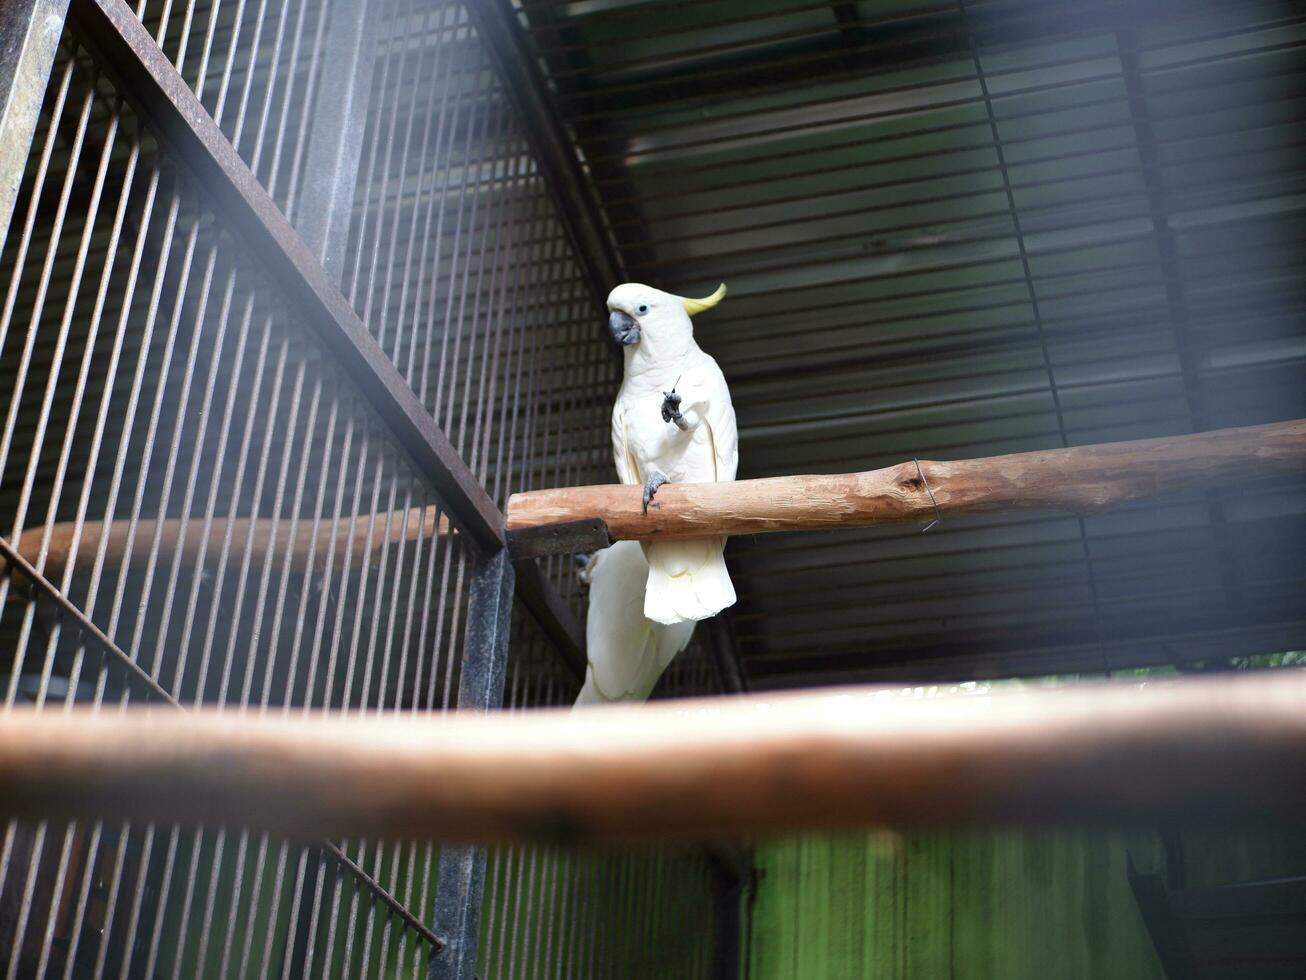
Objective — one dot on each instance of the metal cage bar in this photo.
(238, 526)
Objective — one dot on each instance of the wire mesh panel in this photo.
(258, 69)
(463, 272)
(182, 461)
(199, 505)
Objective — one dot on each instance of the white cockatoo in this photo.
(627, 652)
(673, 422)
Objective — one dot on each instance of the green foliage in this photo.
(1289, 658)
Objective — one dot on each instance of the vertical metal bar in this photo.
(506, 884)
(201, 680)
(330, 174)
(309, 430)
(597, 870)
(378, 318)
(58, 483)
(439, 194)
(654, 870)
(578, 207)
(379, 321)
(385, 110)
(29, 37)
(493, 891)
(271, 181)
(351, 914)
(461, 876)
(568, 916)
(497, 214)
(94, 454)
(440, 71)
(335, 144)
(474, 132)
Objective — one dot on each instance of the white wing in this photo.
(688, 580)
(704, 384)
(627, 467)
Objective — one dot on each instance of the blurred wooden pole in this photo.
(65, 545)
(1080, 479)
(1201, 750)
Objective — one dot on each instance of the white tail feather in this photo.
(627, 653)
(590, 693)
(687, 580)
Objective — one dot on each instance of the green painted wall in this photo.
(976, 906)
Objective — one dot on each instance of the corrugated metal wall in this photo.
(987, 907)
(982, 906)
(963, 229)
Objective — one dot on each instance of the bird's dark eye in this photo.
(642, 308)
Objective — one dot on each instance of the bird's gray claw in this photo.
(671, 410)
(651, 487)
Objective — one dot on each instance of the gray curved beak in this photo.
(623, 328)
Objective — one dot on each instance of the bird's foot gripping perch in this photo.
(651, 487)
(671, 410)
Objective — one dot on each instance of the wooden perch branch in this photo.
(1199, 750)
(65, 545)
(1081, 479)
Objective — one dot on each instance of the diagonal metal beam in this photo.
(1187, 344)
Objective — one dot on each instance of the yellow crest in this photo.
(695, 306)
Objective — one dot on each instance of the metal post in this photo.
(336, 141)
(733, 867)
(461, 877)
(731, 890)
(335, 147)
(29, 36)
